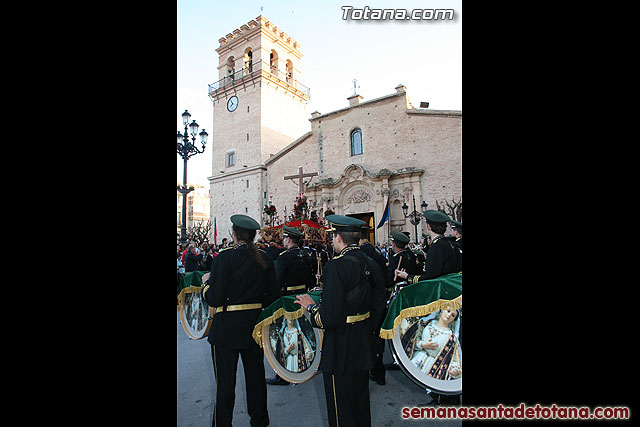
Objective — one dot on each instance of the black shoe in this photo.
(276, 381)
(380, 381)
(391, 366)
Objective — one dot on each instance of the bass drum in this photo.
(293, 348)
(437, 368)
(195, 314)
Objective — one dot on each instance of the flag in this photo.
(215, 232)
(385, 215)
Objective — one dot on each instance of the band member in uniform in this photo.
(399, 248)
(293, 273)
(456, 230)
(351, 307)
(443, 256)
(401, 256)
(377, 372)
(367, 248)
(241, 282)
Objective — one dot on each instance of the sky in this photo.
(423, 55)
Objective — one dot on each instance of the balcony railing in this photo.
(254, 70)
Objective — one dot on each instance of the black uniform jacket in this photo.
(444, 257)
(346, 346)
(408, 263)
(458, 242)
(233, 329)
(293, 268)
(368, 249)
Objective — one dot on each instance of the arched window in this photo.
(248, 59)
(273, 61)
(230, 67)
(356, 142)
(289, 71)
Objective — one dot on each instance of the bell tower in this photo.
(259, 107)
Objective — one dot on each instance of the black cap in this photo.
(345, 223)
(291, 232)
(244, 221)
(399, 236)
(436, 217)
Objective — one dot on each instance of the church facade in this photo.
(364, 154)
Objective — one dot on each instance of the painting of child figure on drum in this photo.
(293, 343)
(431, 344)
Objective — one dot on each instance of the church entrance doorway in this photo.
(368, 218)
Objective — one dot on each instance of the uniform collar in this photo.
(348, 248)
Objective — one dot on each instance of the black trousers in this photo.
(378, 371)
(348, 399)
(225, 365)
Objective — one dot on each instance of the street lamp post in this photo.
(188, 149)
(414, 216)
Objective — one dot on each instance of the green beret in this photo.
(399, 236)
(345, 223)
(436, 217)
(291, 232)
(456, 224)
(245, 222)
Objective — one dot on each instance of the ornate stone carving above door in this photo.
(356, 197)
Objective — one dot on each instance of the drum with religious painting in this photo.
(423, 324)
(429, 352)
(195, 314)
(291, 345)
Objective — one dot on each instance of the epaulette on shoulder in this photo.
(224, 249)
(287, 250)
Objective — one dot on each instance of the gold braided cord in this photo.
(419, 311)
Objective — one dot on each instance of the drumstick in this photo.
(395, 275)
(319, 271)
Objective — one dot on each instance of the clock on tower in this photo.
(232, 103)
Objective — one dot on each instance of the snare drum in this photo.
(292, 348)
(423, 324)
(195, 314)
(438, 369)
(291, 345)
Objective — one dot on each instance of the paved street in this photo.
(300, 404)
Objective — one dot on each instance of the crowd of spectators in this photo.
(192, 257)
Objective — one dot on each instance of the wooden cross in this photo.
(299, 176)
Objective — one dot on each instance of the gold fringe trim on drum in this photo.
(187, 290)
(419, 311)
(289, 315)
